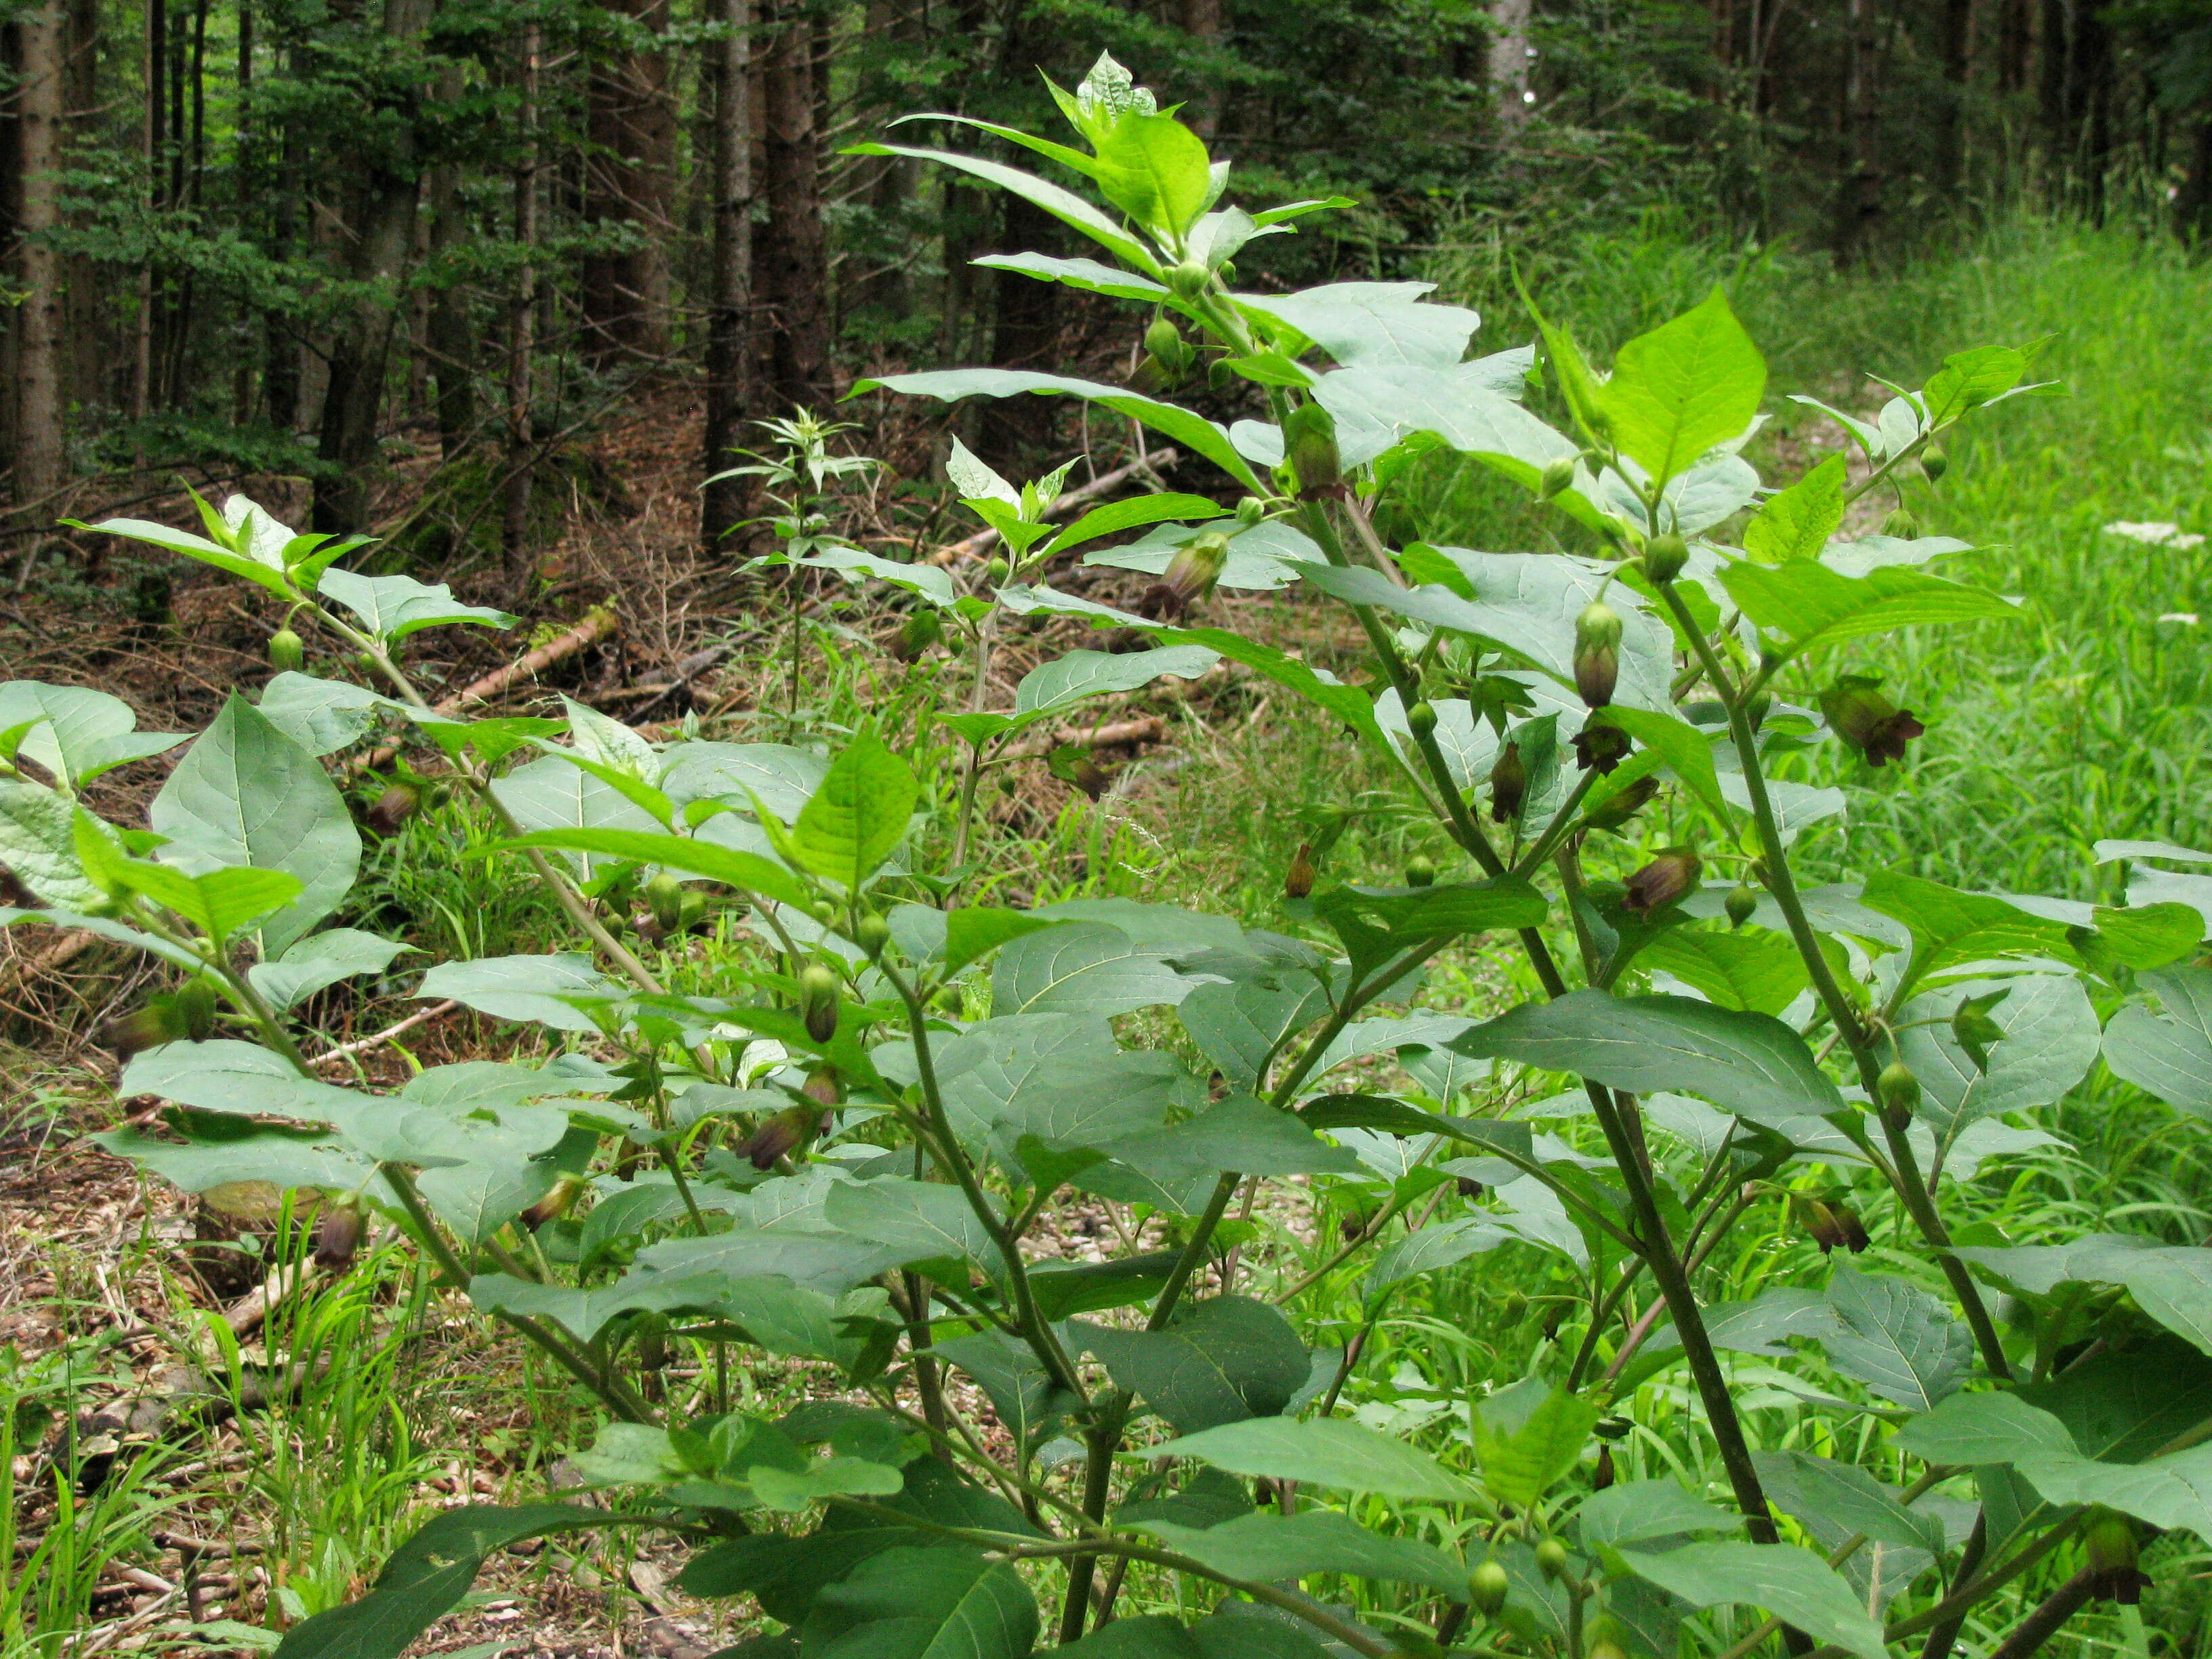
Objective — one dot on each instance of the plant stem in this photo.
(1781, 882)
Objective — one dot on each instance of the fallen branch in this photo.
(65, 949)
(1121, 734)
(364, 1044)
(1147, 471)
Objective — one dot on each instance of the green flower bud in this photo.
(1597, 652)
(997, 570)
(1309, 445)
(1299, 879)
(159, 1022)
(1166, 342)
(196, 1003)
(1552, 1558)
(1421, 719)
(1818, 1220)
(1508, 785)
(1899, 1092)
(923, 628)
(819, 994)
(1220, 375)
(1934, 462)
(397, 804)
(337, 1235)
(1663, 881)
(1664, 557)
(1616, 809)
(2114, 1546)
(1250, 510)
(785, 1132)
(1487, 1587)
(1420, 871)
(559, 1198)
(1227, 272)
(1557, 476)
(1902, 523)
(1196, 566)
(1741, 904)
(872, 933)
(286, 653)
(1608, 1636)
(1187, 280)
(1857, 712)
(1515, 1307)
(664, 897)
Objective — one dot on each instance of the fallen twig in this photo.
(364, 1044)
(597, 625)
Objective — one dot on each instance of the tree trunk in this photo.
(156, 131)
(1509, 66)
(2192, 202)
(629, 178)
(1025, 330)
(382, 235)
(1859, 192)
(1958, 34)
(522, 322)
(1201, 20)
(729, 317)
(792, 270)
(39, 450)
(447, 332)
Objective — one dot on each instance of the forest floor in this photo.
(2093, 720)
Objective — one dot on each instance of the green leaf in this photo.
(1794, 1585)
(1021, 1390)
(1117, 516)
(1156, 170)
(1746, 1063)
(81, 732)
(795, 1492)
(1527, 1436)
(1796, 522)
(220, 903)
(1373, 324)
(1686, 387)
(1971, 1429)
(38, 844)
(1080, 674)
(976, 930)
(930, 581)
(1639, 1511)
(920, 1219)
(1758, 971)
(225, 1075)
(1897, 1339)
(925, 1603)
(1807, 605)
(283, 1160)
(1970, 378)
(322, 716)
(1948, 925)
(1228, 1358)
(522, 987)
(1239, 1134)
(1430, 1249)
(197, 547)
(1687, 751)
(748, 871)
(2050, 1042)
(1322, 1451)
(1089, 968)
(2150, 935)
(426, 1578)
(1263, 1548)
(392, 607)
(321, 960)
(1092, 1287)
(1062, 204)
(246, 794)
(1194, 432)
(850, 825)
(2169, 1057)
(1845, 1499)
(1088, 275)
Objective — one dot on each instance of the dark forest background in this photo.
(324, 239)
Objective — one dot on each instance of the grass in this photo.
(2089, 718)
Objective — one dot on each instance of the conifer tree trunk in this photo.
(522, 322)
(1509, 65)
(630, 178)
(792, 271)
(447, 332)
(1859, 205)
(37, 415)
(730, 301)
(382, 236)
